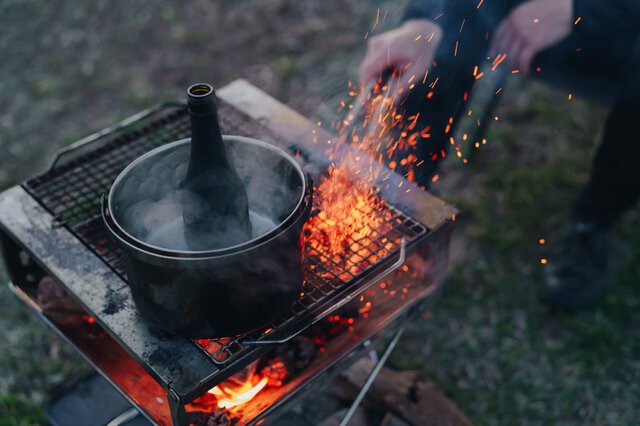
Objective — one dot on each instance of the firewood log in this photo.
(409, 395)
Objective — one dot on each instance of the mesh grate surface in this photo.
(326, 279)
(71, 193)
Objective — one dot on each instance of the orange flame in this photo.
(239, 388)
(230, 395)
(347, 233)
(347, 212)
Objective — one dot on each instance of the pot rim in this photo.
(150, 249)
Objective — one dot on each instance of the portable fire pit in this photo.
(52, 236)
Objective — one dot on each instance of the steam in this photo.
(160, 223)
(149, 204)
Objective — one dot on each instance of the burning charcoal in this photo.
(350, 310)
(218, 419)
(276, 371)
(297, 354)
(348, 212)
(335, 324)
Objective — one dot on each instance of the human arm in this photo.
(428, 25)
(398, 48)
(410, 47)
(530, 28)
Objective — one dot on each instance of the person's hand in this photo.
(530, 28)
(409, 48)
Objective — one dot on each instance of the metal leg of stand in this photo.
(176, 408)
(124, 417)
(371, 377)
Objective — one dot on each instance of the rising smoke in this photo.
(149, 204)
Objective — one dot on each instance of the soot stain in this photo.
(162, 357)
(114, 302)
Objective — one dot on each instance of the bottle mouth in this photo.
(201, 99)
(200, 90)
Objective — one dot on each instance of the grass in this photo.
(501, 355)
(15, 411)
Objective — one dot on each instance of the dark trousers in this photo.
(603, 66)
(614, 185)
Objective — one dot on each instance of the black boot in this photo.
(577, 270)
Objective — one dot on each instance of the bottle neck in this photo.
(207, 148)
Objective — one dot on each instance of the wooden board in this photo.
(409, 395)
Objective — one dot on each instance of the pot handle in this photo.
(325, 312)
(309, 191)
(308, 194)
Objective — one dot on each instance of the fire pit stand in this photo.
(50, 227)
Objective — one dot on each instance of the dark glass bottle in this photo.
(220, 217)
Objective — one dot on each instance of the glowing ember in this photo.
(346, 232)
(237, 390)
(232, 394)
(349, 211)
(380, 130)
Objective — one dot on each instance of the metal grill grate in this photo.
(325, 280)
(72, 191)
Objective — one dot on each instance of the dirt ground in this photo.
(68, 68)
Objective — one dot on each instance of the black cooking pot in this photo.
(221, 292)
